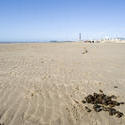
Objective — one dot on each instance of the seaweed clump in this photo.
(102, 102)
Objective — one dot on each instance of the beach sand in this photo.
(44, 83)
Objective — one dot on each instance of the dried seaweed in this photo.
(102, 102)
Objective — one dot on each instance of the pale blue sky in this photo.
(39, 20)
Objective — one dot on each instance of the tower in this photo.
(79, 36)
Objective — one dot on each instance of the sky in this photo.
(44, 20)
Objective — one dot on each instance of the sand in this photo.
(40, 83)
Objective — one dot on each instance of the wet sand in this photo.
(45, 83)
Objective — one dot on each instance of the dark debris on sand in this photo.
(102, 102)
(1, 123)
(88, 109)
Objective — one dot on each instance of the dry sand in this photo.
(39, 82)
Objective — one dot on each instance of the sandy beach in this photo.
(40, 83)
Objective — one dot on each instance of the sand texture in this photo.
(44, 83)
